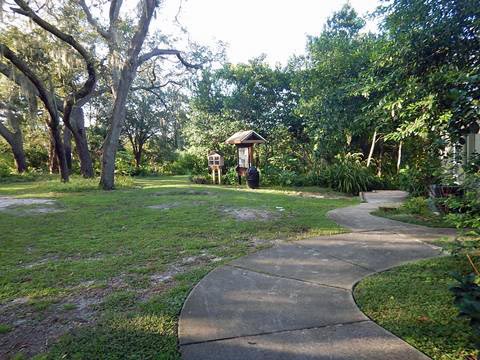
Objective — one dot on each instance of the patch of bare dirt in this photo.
(28, 206)
(55, 258)
(34, 329)
(250, 214)
(167, 206)
(6, 201)
(312, 195)
(161, 281)
(173, 205)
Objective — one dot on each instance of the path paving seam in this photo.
(288, 277)
(278, 332)
(341, 259)
(433, 246)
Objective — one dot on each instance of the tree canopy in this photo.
(403, 96)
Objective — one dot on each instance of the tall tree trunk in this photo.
(122, 80)
(19, 156)
(77, 126)
(59, 149)
(52, 159)
(175, 133)
(117, 120)
(138, 156)
(15, 140)
(399, 158)
(370, 154)
(67, 145)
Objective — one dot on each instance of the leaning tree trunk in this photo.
(52, 159)
(58, 144)
(15, 140)
(48, 97)
(19, 156)
(123, 82)
(49, 102)
(77, 127)
(117, 120)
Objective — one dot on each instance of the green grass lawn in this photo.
(413, 302)
(105, 276)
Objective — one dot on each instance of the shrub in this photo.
(416, 206)
(187, 164)
(274, 176)
(465, 210)
(124, 163)
(5, 170)
(37, 156)
(466, 290)
(230, 177)
(286, 178)
(199, 179)
(467, 299)
(348, 175)
(315, 178)
(386, 182)
(146, 170)
(414, 180)
(6, 163)
(472, 166)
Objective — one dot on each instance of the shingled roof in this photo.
(245, 137)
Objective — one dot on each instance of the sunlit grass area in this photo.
(104, 274)
(413, 302)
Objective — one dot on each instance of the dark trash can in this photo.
(253, 178)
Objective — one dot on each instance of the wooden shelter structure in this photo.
(215, 164)
(244, 141)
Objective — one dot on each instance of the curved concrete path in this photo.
(295, 301)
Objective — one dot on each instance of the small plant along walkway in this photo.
(294, 301)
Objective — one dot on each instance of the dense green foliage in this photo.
(401, 98)
(464, 210)
(467, 300)
(405, 89)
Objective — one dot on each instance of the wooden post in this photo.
(250, 156)
(238, 163)
(213, 175)
(219, 176)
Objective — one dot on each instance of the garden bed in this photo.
(431, 220)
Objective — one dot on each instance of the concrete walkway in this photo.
(294, 301)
